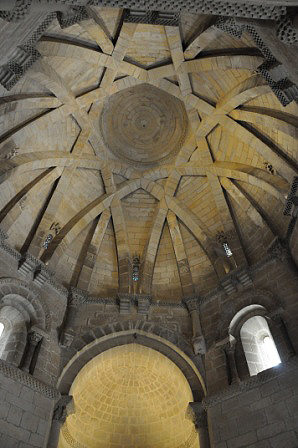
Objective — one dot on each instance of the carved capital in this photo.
(63, 408)
(192, 303)
(66, 339)
(199, 345)
(198, 414)
(34, 338)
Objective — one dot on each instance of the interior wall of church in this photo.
(275, 277)
(25, 415)
(264, 416)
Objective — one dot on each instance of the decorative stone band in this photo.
(28, 380)
(251, 383)
(18, 12)
(291, 208)
(80, 297)
(287, 31)
(9, 250)
(69, 439)
(3, 235)
(216, 7)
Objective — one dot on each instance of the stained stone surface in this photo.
(143, 125)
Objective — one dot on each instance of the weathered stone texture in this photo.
(24, 415)
(249, 420)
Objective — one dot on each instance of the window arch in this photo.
(250, 327)
(14, 334)
(258, 345)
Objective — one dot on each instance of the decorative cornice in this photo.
(251, 383)
(215, 7)
(28, 380)
(79, 296)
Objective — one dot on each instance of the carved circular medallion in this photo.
(143, 125)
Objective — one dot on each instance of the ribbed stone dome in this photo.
(143, 124)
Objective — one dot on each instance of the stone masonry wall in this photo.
(265, 416)
(281, 284)
(24, 415)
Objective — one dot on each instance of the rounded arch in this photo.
(242, 316)
(15, 293)
(133, 336)
(257, 297)
(14, 337)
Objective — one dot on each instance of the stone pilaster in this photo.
(199, 417)
(229, 350)
(198, 340)
(62, 409)
(279, 322)
(33, 340)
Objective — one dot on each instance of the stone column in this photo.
(62, 408)
(198, 341)
(229, 350)
(277, 319)
(199, 416)
(32, 342)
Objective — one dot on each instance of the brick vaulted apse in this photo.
(148, 208)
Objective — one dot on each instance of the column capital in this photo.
(198, 414)
(63, 408)
(192, 303)
(34, 337)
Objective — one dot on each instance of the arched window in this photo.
(249, 330)
(13, 335)
(258, 345)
